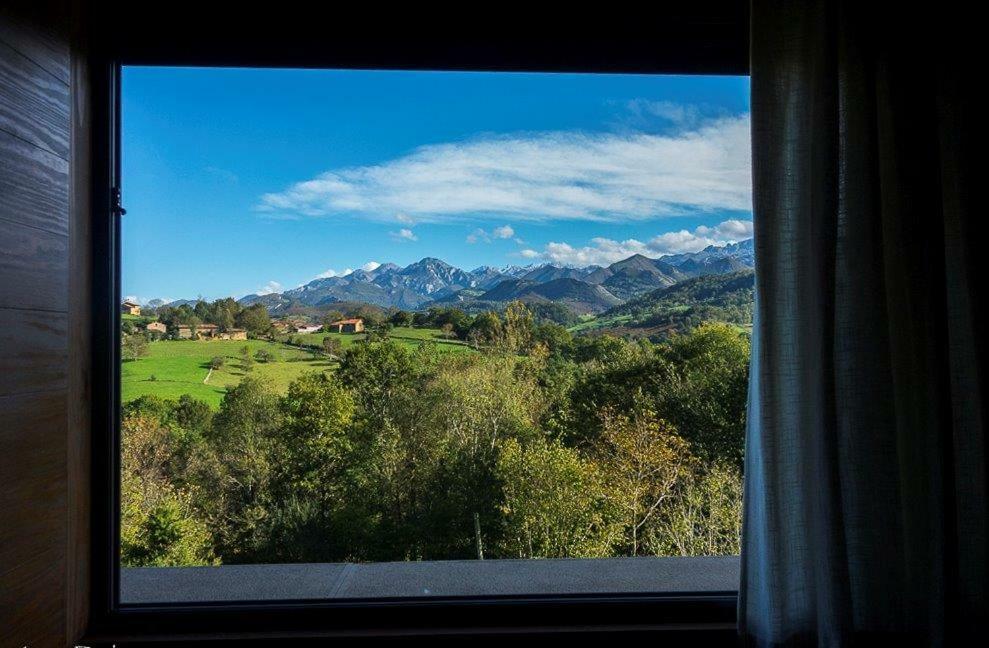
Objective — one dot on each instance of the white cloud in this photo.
(604, 251)
(330, 272)
(404, 234)
(370, 266)
(270, 287)
(405, 219)
(545, 176)
(503, 232)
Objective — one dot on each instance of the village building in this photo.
(234, 334)
(355, 325)
(156, 327)
(129, 307)
(202, 331)
(309, 329)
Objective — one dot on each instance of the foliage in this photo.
(133, 346)
(553, 445)
(555, 503)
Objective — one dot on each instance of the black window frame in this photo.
(704, 41)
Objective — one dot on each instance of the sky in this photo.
(240, 181)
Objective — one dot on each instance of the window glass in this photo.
(374, 322)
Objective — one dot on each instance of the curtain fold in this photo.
(865, 496)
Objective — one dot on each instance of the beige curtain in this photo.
(866, 510)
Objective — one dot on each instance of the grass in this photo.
(407, 335)
(180, 366)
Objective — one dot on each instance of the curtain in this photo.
(865, 470)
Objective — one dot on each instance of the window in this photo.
(431, 334)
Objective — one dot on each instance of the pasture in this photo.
(176, 367)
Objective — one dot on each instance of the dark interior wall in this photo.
(42, 382)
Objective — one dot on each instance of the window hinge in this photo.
(118, 208)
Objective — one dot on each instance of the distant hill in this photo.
(722, 298)
(433, 282)
(635, 276)
(579, 296)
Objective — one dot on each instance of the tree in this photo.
(642, 458)
(263, 355)
(332, 346)
(255, 319)
(518, 327)
(555, 503)
(447, 330)
(216, 362)
(485, 329)
(133, 347)
(329, 317)
(401, 318)
(706, 393)
(318, 411)
(245, 447)
(158, 524)
(704, 517)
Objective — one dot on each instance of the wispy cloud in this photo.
(544, 176)
(503, 232)
(270, 287)
(404, 234)
(330, 272)
(604, 251)
(370, 265)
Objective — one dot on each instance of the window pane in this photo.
(395, 333)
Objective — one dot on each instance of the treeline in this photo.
(224, 313)
(595, 447)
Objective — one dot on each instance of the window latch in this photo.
(118, 207)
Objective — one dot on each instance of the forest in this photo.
(540, 444)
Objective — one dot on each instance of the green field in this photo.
(180, 366)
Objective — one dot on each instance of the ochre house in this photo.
(355, 325)
(130, 308)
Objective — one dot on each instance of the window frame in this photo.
(711, 615)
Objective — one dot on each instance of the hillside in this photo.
(580, 296)
(722, 298)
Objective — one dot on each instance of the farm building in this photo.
(234, 334)
(355, 325)
(129, 307)
(156, 327)
(201, 331)
(308, 329)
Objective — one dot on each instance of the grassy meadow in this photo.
(181, 366)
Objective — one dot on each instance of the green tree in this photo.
(401, 318)
(318, 412)
(555, 503)
(245, 447)
(255, 319)
(332, 346)
(706, 392)
(158, 524)
(133, 346)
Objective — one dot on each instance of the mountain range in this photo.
(590, 289)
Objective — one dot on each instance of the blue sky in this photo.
(243, 180)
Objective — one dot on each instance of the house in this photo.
(355, 325)
(156, 327)
(129, 307)
(201, 331)
(234, 334)
(309, 329)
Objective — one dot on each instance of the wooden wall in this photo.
(42, 384)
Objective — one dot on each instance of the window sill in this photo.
(440, 579)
